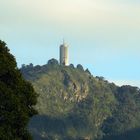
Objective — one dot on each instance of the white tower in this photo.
(64, 55)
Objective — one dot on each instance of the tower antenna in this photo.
(63, 41)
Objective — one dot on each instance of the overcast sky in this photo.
(103, 35)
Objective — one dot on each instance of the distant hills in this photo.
(75, 105)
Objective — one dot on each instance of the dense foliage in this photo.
(74, 105)
(17, 98)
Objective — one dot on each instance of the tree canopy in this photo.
(17, 98)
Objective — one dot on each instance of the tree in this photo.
(53, 62)
(71, 66)
(17, 98)
(87, 71)
(80, 67)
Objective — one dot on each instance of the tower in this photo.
(64, 55)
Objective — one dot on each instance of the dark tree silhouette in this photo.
(17, 98)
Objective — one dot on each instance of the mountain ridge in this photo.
(73, 104)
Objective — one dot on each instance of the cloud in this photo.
(71, 12)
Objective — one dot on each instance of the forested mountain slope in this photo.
(74, 105)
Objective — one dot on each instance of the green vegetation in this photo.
(17, 98)
(74, 105)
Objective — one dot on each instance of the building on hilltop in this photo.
(64, 54)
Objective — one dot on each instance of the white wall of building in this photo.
(64, 55)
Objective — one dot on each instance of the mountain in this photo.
(75, 105)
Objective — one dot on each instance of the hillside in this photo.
(74, 105)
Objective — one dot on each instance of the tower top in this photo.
(63, 41)
(64, 44)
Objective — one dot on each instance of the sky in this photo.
(103, 35)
